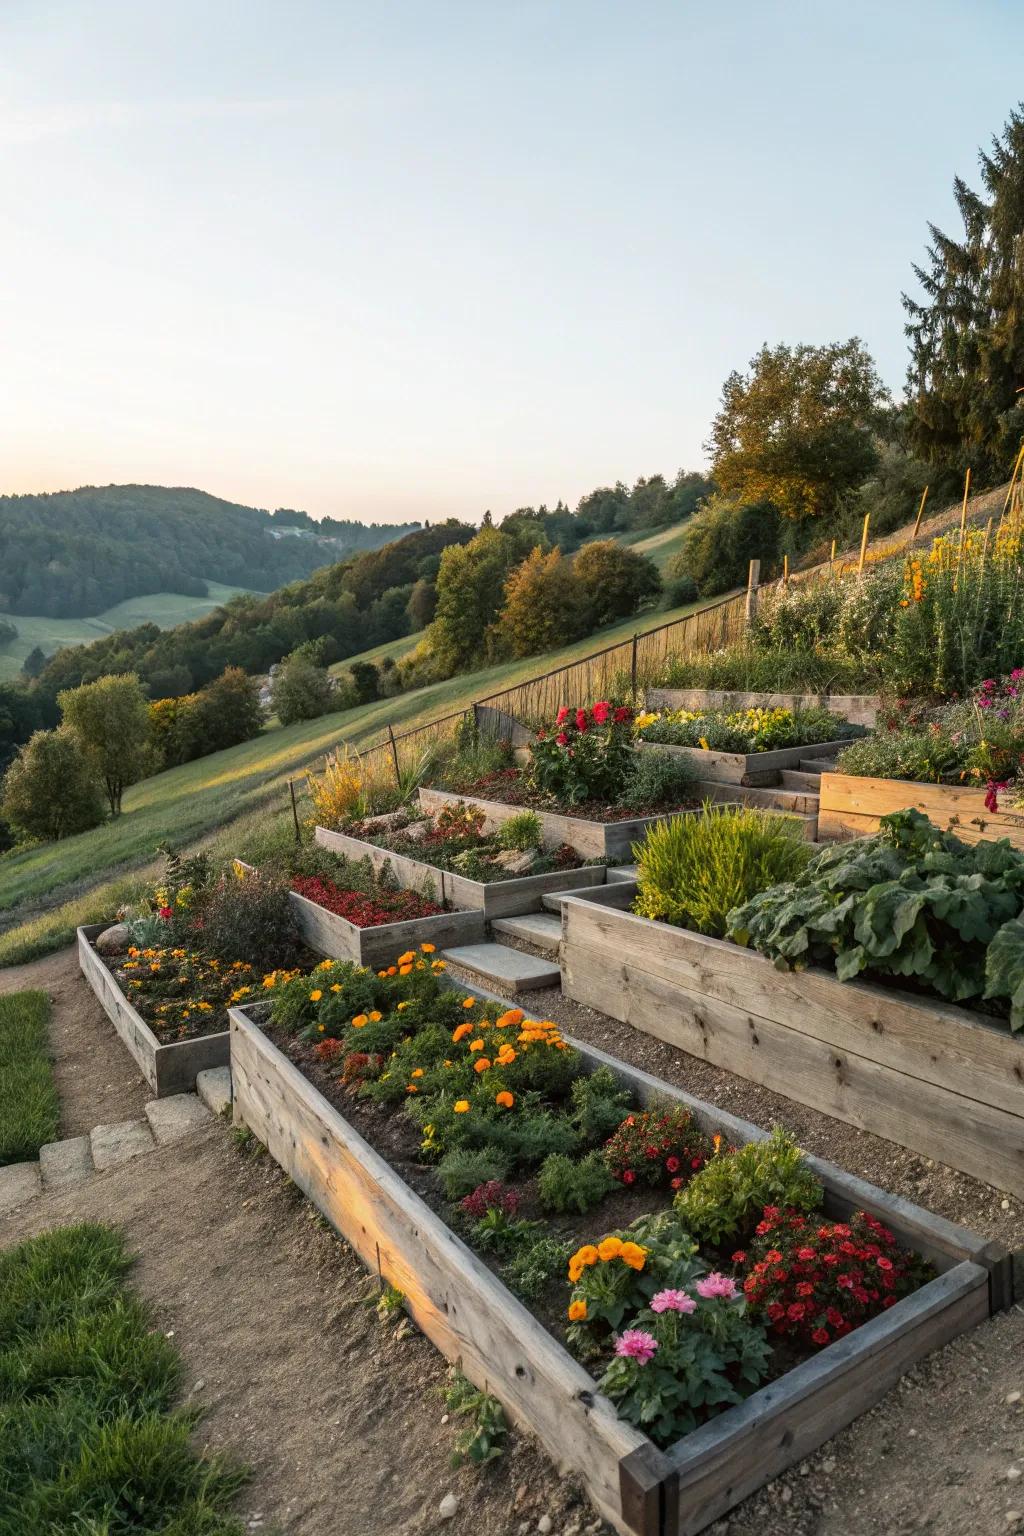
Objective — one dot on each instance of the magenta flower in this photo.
(716, 1284)
(673, 1301)
(635, 1344)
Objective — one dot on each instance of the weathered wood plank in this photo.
(944, 1045)
(592, 839)
(453, 1298)
(332, 935)
(787, 1420)
(168, 1069)
(852, 807)
(496, 898)
(859, 708)
(751, 769)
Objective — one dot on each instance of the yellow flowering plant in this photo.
(616, 1276)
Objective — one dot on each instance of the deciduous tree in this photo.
(110, 718)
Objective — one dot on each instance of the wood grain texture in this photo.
(452, 1297)
(611, 840)
(750, 769)
(852, 807)
(860, 708)
(495, 898)
(167, 1068)
(332, 935)
(936, 1079)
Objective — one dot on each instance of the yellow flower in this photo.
(610, 1248)
(315, 995)
(504, 1099)
(577, 1311)
(460, 1106)
(381, 974)
(335, 986)
(403, 1005)
(633, 1255)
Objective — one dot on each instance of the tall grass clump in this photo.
(29, 1111)
(91, 1441)
(693, 870)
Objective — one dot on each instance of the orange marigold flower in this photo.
(587, 1255)
(407, 958)
(460, 1106)
(375, 1017)
(476, 1045)
(359, 1020)
(411, 1088)
(469, 1002)
(381, 974)
(392, 970)
(428, 949)
(403, 970)
(481, 1064)
(315, 995)
(610, 1248)
(504, 1099)
(462, 1031)
(513, 1016)
(633, 1255)
(416, 1072)
(577, 1311)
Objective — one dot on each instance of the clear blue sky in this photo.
(417, 259)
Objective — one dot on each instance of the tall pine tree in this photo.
(965, 381)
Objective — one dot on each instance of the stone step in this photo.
(509, 970)
(817, 765)
(64, 1163)
(176, 1116)
(214, 1088)
(539, 929)
(119, 1142)
(19, 1182)
(796, 778)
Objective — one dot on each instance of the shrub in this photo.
(724, 1201)
(522, 832)
(816, 1282)
(657, 1146)
(336, 793)
(680, 589)
(537, 1268)
(722, 539)
(544, 605)
(568, 1184)
(465, 1169)
(599, 1105)
(229, 710)
(301, 690)
(585, 755)
(614, 581)
(694, 870)
(248, 917)
(50, 790)
(658, 778)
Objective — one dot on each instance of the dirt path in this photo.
(97, 1080)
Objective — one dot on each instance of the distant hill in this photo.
(74, 554)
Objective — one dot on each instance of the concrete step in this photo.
(796, 778)
(172, 1118)
(507, 970)
(115, 1144)
(817, 765)
(539, 929)
(620, 872)
(64, 1163)
(214, 1088)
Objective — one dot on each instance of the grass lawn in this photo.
(46, 891)
(659, 546)
(29, 1111)
(163, 608)
(91, 1440)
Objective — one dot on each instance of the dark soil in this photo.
(510, 786)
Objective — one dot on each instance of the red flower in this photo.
(739, 1257)
(166, 913)
(795, 1311)
(672, 1164)
(563, 715)
(884, 1263)
(581, 719)
(820, 1336)
(562, 739)
(622, 714)
(601, 711)
(629, 1177)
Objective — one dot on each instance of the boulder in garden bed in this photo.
(114, 940)
(515, 863)
(384, 821)
(416, 831)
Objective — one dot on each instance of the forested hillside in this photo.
(72, 554)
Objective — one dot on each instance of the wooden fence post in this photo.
(920, 514)
(785, 570)
(295, 811)
(632, 669)
(753, 581)
(394, 754)
(832, 558)
(863, 544)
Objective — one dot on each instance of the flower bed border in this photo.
(756, 770)
(860, 708)
(852, 806)
(495, 898)
(943, 1081)
(591, 839)
(471, 1317)
(168, 1069)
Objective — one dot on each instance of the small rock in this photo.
(1013, 1515)
(113, 940)
(787, 1493)
(828, 1466)
(381, 824)
(1012, 1399)
(1004, 1205)
(448, 1507)
(1013, 1474)
(544, 1524)
(444, 1418)
(522, 1496)
(416, 831)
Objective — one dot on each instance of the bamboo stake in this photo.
(832, 558)
(785, 570)
(863, 544)
(920, 513)
(963, 509)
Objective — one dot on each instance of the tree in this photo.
(229, 710)
(544, 605)
(8, 632)
(300, 690)
(422, 604)
(967, 333)
(366, 679)
(110, 718)
(797, 430)
(50, 791)
(470, 593)
(34, 662)
(614, 580)
(720, 542)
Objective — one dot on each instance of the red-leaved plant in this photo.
(815, 1281)
(492, 1196)
(364, 911)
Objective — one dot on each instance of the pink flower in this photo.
(601, 711)
(716, 1284)
(635, 1344)
(563, 715)
(673, 1301)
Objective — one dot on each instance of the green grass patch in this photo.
(90, 1442)
(29, 1111)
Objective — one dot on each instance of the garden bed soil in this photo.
(610, 837)
(495, 898)
(167, 1068)
(933, 1077)
(511, 786)
(851, 806)
(858, 708)
(471, 1317)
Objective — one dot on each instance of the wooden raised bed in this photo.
(756, 769)
(940, 1080)
(495, 898)
(860, 708)
(612, 840)
(472, 1318)
(852, 807)
(167, 1068)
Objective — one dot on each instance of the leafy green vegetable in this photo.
(910, 902)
